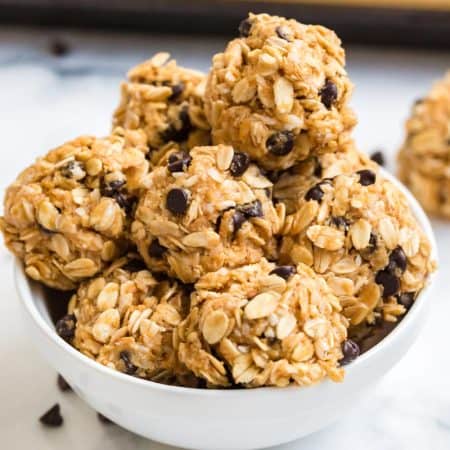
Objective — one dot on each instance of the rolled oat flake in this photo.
(284, 271)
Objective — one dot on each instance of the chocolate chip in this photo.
(366, 177)
(125, 200)
(65, 327)
(340, 222)
(315, 193)
(280, 143)
(328, 94)
(253, 209)
(112, 186)
(103, 419)
(115, 190)
(283, 33)
(350, 350)
(389, 281)
(59, 48)
(52, 418)
(418, 101)
(177, 90)
(245, 27)
(178, 131)
(238, 220)
(283, 271)
(130, 368)
(179, 162)
(73, 169)
(239, 163)
(177, 201)
(63, 385)
(378, 157)
(397, 260)
(406, 299)
(156, 250)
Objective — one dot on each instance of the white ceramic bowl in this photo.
(219, 419)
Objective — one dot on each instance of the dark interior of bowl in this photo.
(56, 302)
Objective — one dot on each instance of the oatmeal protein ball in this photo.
(125, 319)
(166, 101)
(424, 159)
(358, 231)
(291, 184)
(205, 210)
(66, 215)
(280, 92)
(263, 325)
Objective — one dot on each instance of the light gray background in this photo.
(46, 100)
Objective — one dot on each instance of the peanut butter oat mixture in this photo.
(66, 216)
(125, 320)
(424, 159)
(263, 325)
(280, 92)
(292, 184)
(359, 233)
(273, 257)
(205, 210)
(166, 101)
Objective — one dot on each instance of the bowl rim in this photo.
(22, 283)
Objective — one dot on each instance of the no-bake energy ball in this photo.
(66, 215)
(166, 101)
(263, 325)
(424, 159)
(125, 319)
(205, 210)
(280, 92)
(291, 184)
(358, 231)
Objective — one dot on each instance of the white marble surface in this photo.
(45, 100)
